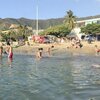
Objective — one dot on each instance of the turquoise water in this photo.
(62, 77)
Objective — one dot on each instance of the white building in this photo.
(88, 20)
(83, 22)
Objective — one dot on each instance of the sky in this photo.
(48, 9)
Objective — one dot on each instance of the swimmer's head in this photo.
(52, 46)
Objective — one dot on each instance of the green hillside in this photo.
(43, 24)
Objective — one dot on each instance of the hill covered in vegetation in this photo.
(43, 24)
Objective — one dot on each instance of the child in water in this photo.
(39, 53)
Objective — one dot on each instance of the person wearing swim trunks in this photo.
(10, 53)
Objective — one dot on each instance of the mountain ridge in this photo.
(43, 24)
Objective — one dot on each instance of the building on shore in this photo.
(88, 20)
(83, 22)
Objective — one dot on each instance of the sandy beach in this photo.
(86, 49)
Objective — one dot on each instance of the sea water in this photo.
(59, 77)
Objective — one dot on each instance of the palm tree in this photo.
(24, 31)
(70, 20)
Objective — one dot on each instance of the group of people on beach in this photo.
(8, 50)
(75, 42)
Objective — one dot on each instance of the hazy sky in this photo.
(48, 8)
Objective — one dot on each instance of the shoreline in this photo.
(86, 49)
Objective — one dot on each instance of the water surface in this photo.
(60, 77)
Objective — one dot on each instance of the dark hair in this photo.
(52, 46)
(8, 43)
(40, 48)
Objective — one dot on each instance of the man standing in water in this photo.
(10, 53)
